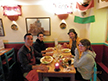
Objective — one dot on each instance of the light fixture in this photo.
(62, 16)
(63, 24)
(62, 10)
(12, 12)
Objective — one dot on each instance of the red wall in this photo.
(101, 57)
(105, 56)
(100, 50)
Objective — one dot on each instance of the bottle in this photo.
(61, 62)
(56, 42)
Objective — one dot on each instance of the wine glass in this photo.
(69, 62)
(56, 56)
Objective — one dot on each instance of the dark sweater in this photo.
(27, 58)
(39, 45)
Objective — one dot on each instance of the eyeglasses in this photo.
(80, 45)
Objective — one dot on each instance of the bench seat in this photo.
(103, 66)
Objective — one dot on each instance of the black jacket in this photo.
(39, 45)
(27, 58)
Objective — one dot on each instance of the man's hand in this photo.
(43, 68)
(40, 67)
(47, 54)
(65, 45)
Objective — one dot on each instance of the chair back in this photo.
(95, 73)
(10, 59)
(2, 76)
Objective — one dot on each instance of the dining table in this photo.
(4, 50)
(62, 71)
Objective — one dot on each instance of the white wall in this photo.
(40, 11)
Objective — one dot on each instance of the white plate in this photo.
(66, 62)
(46, 60)
(50, 48)
(66, 50)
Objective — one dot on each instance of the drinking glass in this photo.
(59, 48)
(69, 62)
(56, 56)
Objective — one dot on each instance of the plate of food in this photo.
(46, 60)
(66, 50)
(65, 60)
(50, 48)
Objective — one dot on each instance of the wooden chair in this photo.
(2, 76)
(94, 78)
(9, 60)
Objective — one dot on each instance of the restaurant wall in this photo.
(95, 32)
(40, 11)
(98, 29)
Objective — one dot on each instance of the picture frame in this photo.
(1, 28)
(34, 25)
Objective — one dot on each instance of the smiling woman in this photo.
(84, 60)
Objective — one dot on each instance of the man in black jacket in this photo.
(39, 44)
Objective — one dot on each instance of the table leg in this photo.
(40, 76)
(72, 78)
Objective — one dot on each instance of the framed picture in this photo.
(38, 24)
(1, 28)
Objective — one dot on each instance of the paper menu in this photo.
(1, 44)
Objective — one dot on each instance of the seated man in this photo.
(26, 56)
(39, 44)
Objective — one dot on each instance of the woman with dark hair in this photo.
(84, 64)
(73, 42)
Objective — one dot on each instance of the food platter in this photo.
(50, 48)
(65, 60)
(46, 60)
(66, 50)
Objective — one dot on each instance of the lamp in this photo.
(62, 16)
(62, 10)
(12, 12)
